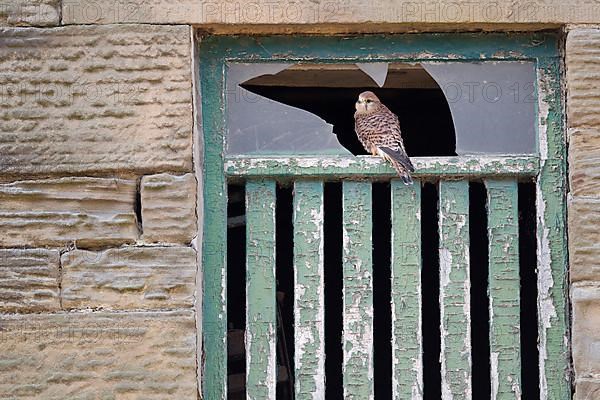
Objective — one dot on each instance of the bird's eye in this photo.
(369, 101)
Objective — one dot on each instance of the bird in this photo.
(378, 130)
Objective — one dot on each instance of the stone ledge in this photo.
(30, 13)
(168, 208)
(91, 212)
(106, 100)
(29, 280)
(129, 278)
(99, 355)
(307, 12)
(586, 336)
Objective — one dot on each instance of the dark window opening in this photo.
(480, 317)
(284, 273)
(332, 227)
(430, 292)
(382, 310)
(236, 292)
(529, 319)
(409, 91)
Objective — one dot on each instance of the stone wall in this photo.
(97, 208)
(98, 275)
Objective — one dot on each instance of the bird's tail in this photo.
(400, 162)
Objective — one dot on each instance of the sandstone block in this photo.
(586, 336)
(52, 212)
(308, 12)
(129, 278)
(584, 239)
(587, 389)
(583, 77)
(584, 162)
(98, 356)
(168, 208)
(30, 13)
(87, 100)
(29, 280)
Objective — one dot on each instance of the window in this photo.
(343, 282)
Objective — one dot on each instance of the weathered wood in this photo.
(261, 324)
(357, 291)
(504, 289)
(552, 257)
(455, 287)
(407, 345)
(309, 301)
(368, 166)
(543, 47)
(214, 239)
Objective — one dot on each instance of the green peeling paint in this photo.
(455, 287)
(366, 166)
(309, 301)
(358, 291)
(549, 168)
(504, 288)
(555, 378)
(261, 323)
(214, 251)
(407, 345)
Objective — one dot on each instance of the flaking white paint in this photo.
(546, 309)
(494, 374)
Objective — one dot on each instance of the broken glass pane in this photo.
(259, 125)
(492, 104)
(377, 71)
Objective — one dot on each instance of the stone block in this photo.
(584, 239)
(582, 59)
(29, 280)
(129, 278)
(168, 208)
(30, 13)
(586, 336)
(98, 356)
(91, 212)
(95, 100)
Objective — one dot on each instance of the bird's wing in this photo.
(391, 138)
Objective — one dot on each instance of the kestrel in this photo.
(378, 129)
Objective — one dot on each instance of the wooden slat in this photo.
(261, 310)
(504, 288)
(552, 255)
(213, 240)
(367, 166)
(357, 291)
(455, 355)
(309, 301)
(407, 348)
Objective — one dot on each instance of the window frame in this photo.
(548, 169)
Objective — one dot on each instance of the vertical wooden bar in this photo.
(214, 237)
(504, 289)
(309, 291)
(407, 346)
(455, 287)
(358, 291)
(552, 257)
(261, 323)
